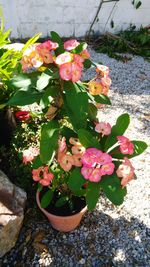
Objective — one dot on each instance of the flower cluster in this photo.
(42, 175)
(96, 164)
(101, 83)
(38, 54)
(103, 128)
(29, 154)
(67, 159)
(70, 64)
(126, 172)
(126, 147)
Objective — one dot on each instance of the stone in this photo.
(12, 204)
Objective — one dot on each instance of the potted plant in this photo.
(78, 155)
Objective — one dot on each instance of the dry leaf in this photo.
(39, 236)
(40, 248)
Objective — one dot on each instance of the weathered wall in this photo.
(70, 17)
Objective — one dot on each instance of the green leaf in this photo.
(102, 99)
(87, 63)
(46, 98)
(46, 199)
(87, 139)
(68, 85)
(56, 38)
(119, 128)
(36, 163)
(111, 186)
(61, 201)
(67, 132)
(76, 180)
(20, 81)
(136, 3)
(92, 111)
(49, 140)
(92, 196)
(139, 148)
(2, 19)
(40, 187)
(42, 82)
(121, 125)
(79, 48)
(31, 41)
(76, 105)
(24, 97)
(2, 105)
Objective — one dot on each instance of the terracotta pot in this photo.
(62, 223)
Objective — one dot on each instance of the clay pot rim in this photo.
(56, 216)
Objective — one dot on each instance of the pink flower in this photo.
(86, 172)
(46, 56)
(104, 159)
(85, 54)
(70, 71)
(126, 172)
(95, 164)
(31, 59)
(91, 157)
(47, 177)
(71, 44)
(76, 72)
(74, 141)
(95, 175)
(29, 154)
(77, 149)
(91, 174)
(42, 175)
(63, 58)
(102, 70)
(62, 145)
(105, 90)
(66, 71)
(78, 59)
(77, 160)
(107, 169)
(106, 81)
(36, 174)
(122, 139)
(48, 45)
(126, 146)
(103, 127)
(66, 162)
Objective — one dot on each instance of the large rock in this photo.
(12, 203)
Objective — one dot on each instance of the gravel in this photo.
(108, 236)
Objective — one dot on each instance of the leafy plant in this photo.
(9, 60)
(78, 155)
(132, 41)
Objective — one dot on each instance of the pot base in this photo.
(62, 223)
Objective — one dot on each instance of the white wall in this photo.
(69, 17)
